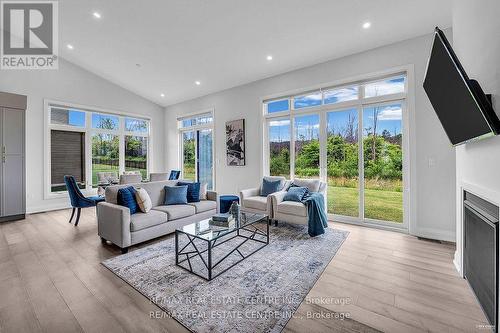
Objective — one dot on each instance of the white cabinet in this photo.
(12, 163)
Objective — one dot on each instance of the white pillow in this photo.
(203, 191)
(143, 200)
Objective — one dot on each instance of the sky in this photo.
(76, 118)
(389, 118)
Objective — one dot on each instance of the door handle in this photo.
(3, 154)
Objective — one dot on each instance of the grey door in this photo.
(13, 162)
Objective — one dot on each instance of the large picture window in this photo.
(325, 133)
(86, 144)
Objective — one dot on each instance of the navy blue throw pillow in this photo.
(193, 192)
(126, 197)
(270, 186)
(295, 194)
(176, 195)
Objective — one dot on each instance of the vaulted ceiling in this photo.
(159, 47)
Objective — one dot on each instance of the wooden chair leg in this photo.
(72, 214)
(78, 216)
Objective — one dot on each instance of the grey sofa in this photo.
(115, 224)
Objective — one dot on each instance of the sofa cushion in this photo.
(176, 195)
(175, 212)
(141, 221)
(256, 202)
(193, 191)
(203, 205)
(311, 184)
(292, 208)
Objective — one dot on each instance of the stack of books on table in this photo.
(223, 220)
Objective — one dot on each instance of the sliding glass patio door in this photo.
(383, 162)
(342, 156)
(197, 156)
(373, 190)
(352, 136)
(204, 163)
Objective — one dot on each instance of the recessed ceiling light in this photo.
(69, 46)
(269, 57)
(97, 15)
(197, 83)
(162, 95)
(366, 25)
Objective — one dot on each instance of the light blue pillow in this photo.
(295, 193)
(176, 195)
(270, 186)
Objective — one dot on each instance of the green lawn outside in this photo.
(379, 204)
(101, 168)
(189, 173)
(108, 168)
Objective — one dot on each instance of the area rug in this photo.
(260, 294)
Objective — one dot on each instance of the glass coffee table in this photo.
(202, 247)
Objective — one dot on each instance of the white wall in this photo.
(476, 35)
(433, 187)
(74, 85)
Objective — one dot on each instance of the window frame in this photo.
(89, 132)
(406, 98)
(198, 127)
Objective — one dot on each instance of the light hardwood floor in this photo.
(51, 280)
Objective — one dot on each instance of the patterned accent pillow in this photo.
(203, 191)
(126, 197)
(143, 200)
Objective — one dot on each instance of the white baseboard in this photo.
(47, 207)
(431, 233)
(456, 262)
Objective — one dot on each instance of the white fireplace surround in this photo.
(480, 191)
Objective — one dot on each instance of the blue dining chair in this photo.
(78, 200)
(174, 175)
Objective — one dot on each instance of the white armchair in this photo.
(252, 202)
(291, 211)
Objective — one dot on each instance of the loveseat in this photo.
(115, 224)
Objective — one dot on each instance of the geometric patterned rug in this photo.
(259, 294)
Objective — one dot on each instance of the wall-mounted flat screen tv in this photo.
(462, 107)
